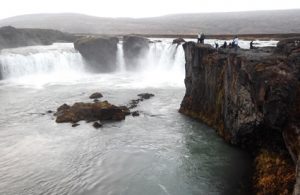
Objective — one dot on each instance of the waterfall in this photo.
(120, 58)
(60, 62)
(60, 59)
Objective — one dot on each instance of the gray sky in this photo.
(138, 8)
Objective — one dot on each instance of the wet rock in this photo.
(63, 107)
(178, 41)
(125, 110)
(100, 53)
(135, 113)
(134, 48)
(96, 95)
(143, 96)
(146, 95)
(97, 125)
(75, 125)
(89, 112)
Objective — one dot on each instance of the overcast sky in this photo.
(138, 8)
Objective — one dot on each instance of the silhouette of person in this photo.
(251, 45)
(216, 45)
(201, 38)
(224, 45)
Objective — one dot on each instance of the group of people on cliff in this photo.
(234, 44)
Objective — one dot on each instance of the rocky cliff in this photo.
(252, 99)
(100, 53)
(11, 37)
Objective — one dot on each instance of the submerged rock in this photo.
(143, 96)
(96, 95)
(100, 53)
(251, 97)
(75, 125)
(134, 48)
(97, 125)
(146, 95)
(135, 113)
(89, 112)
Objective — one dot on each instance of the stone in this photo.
(146, 95)
(96, 95)
(97, 125)
(100, 53)
(75, 124)
(135, 113)
(89, 112)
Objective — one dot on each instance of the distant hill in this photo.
(255, 22)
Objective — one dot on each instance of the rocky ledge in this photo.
(252, 99)
(11, 37)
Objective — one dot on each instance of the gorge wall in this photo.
(252, 99)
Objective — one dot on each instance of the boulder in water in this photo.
(100, 53)
(89, 112)
(97, 125)
(146, 95)
(134, 48)
(135, 113)
(96, 95)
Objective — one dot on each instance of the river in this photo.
(159, 152)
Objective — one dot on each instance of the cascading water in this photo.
(59, 60)
(120, 58)
(164, 64)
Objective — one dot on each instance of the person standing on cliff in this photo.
(235, 42)
(251, 45)
(201, 38)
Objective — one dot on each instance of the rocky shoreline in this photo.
(251, 97)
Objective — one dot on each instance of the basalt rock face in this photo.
(251, 97)
(134, 48)
(11, 37)
(100, 53)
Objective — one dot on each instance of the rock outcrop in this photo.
(252, 99)
(11, 37)
(134, 48)
(100, 53)
(178, 41)
(89, 112)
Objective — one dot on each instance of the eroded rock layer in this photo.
(252, 99)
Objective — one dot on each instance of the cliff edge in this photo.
(252, 99)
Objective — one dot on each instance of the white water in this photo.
(120, 58)
(39, 65)
(60, 63)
